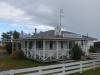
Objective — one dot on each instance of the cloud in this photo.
(80, 16)
(12, 14)
(20, 18)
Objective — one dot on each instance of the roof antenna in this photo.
(58, 27)
(60, 16)
(87, 35)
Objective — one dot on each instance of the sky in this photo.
(80, 16)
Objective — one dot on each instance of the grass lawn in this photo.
(89, 72)
(8, 63)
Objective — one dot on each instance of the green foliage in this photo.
(18, 54)
(8, 35)
(9, 63)
(89, 72)
(15, 34)
(9, 47)
(92, 49)
(76, 52)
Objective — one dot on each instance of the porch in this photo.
(47, 50)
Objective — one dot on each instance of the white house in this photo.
(53, 45)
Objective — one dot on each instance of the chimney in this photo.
(35, 31)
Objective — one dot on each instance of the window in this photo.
(25, 44)
(70, 44)
(82, 43)
(51, 44)
(30, 44)
(61, 44)
(39, 44)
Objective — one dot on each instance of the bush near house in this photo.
(76, 52)
(18, 54)
(9, 47)
(92, 49)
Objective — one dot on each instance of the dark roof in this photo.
(50, 34)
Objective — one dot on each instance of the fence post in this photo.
(81, 67)
(63, 67)
(40, 71)
(94, 65)
(11, 72)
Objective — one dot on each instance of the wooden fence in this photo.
(58, 69)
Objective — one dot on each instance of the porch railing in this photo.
(47, 54)
(51, 54)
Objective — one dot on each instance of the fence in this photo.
(95, 55)
(59, 69)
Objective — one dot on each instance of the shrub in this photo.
(76, 52)
(9, 47)
(18, 54)
(92, 49)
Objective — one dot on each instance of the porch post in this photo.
(57, 49)
(27, 45)
(12, 44)
(43, 49)
(27, 48)
(86, 45)
(23, 46)
(16, 45)
(68, 48)
(35, 49)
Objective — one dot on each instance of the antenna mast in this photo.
(58, 27)
(61, 15)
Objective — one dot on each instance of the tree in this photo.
(76, 52)
(15, 34)
(7, 36)
(9, 47)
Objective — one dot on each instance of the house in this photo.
(53, 45)
(97, 46)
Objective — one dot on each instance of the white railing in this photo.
(51, 53)
(48, 53)
(58, 69)
(94, 55)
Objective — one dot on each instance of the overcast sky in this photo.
(80, 16)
